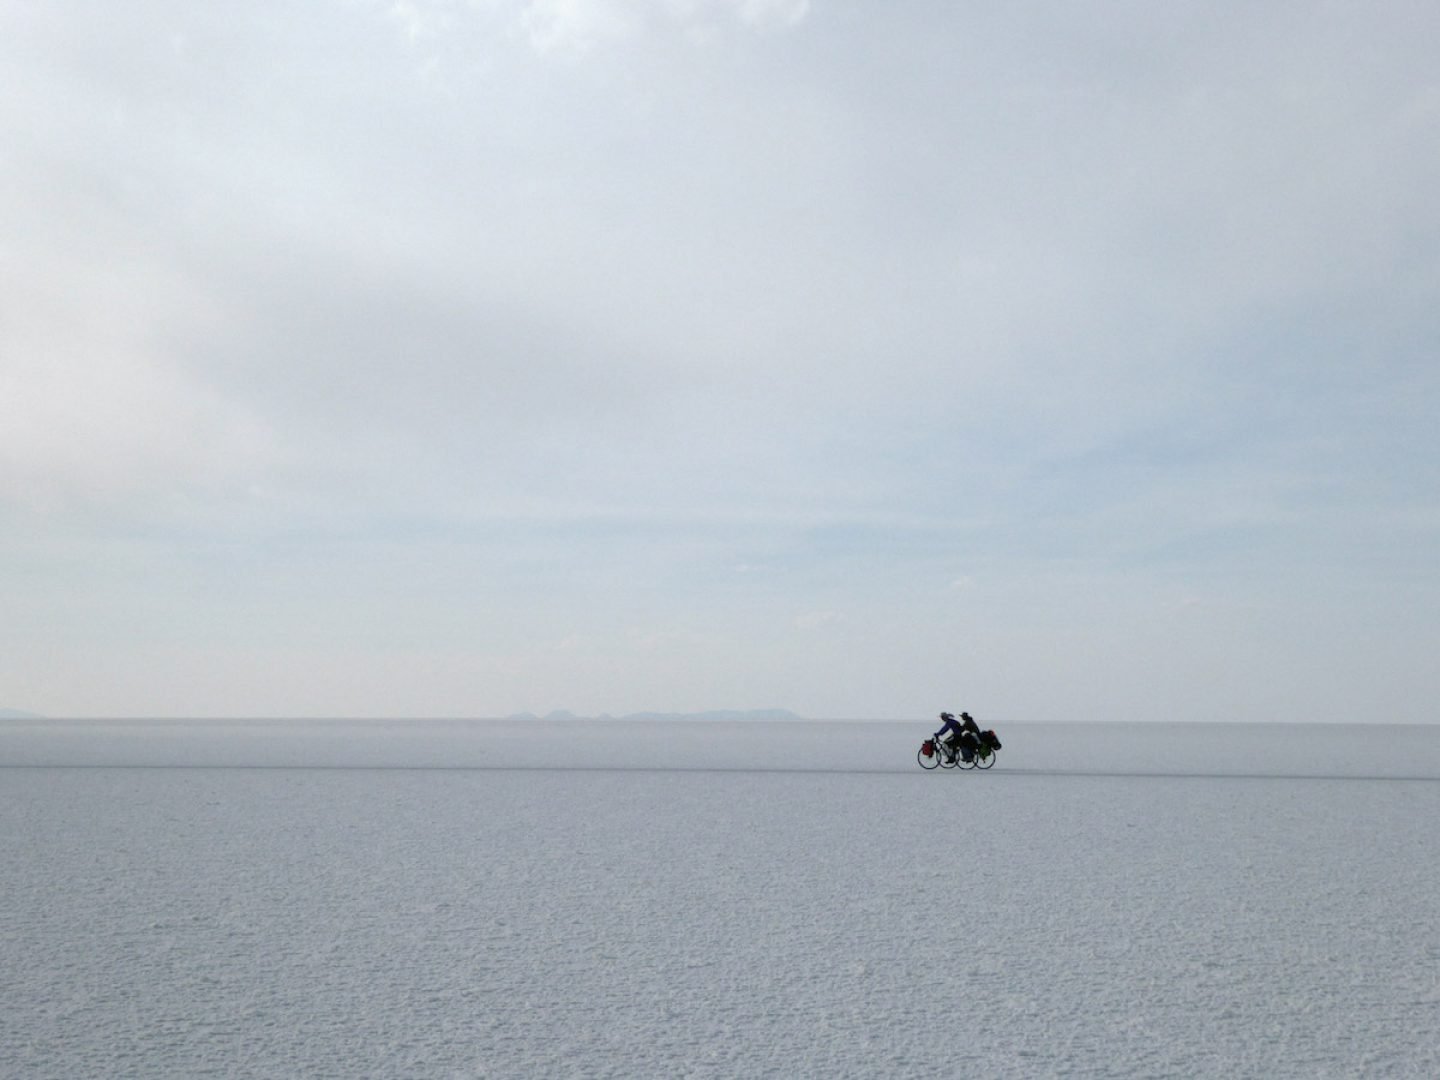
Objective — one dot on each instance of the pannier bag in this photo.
(991, 739)
(928, 748)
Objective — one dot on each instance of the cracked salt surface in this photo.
(721, 900)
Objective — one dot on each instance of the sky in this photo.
(468, 357)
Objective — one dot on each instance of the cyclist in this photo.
(969, 736)
(962, 736)
(948, 737)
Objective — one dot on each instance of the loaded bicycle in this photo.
(982, 752)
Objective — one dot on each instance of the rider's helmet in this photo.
(947, 716)
(966, 716)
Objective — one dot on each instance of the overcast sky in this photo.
(438, 357)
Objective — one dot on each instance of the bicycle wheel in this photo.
(972, 763)
(986, 761)
(927, 762)
(946, 761)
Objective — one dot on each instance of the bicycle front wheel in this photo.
(927, 762)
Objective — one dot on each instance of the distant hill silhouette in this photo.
(717, 714)
(16, 714)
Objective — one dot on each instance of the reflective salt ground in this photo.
(778, 902)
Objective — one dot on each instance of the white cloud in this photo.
(1146, 301)
(773, 12)
(582, 25)
(578, 25)
(418, 21)
(814, 620)
(96, 404)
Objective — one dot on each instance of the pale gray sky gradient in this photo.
(463, 358)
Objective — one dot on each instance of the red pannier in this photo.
(928, 748)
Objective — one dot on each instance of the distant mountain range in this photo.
(719, 714)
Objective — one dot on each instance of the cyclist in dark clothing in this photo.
(969, 736)
(948, 737)
(961, 735)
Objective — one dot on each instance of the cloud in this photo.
(561, 312)
(579, 25)
(582, 26)
(814, 620)
(96, 402)
(777, 12)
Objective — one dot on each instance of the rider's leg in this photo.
(968, 744)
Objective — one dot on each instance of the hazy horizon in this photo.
(718, 717)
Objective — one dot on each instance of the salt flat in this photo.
(1317, 750)
(726, 900)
